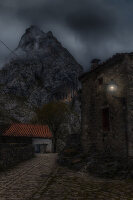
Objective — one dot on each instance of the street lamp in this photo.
(112, 88)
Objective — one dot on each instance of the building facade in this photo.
(107, 107)
(40, 136)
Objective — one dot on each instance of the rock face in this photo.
(73, 125)
(38, 69)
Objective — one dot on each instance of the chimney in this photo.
(94, 63)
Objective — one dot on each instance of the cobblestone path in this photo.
(22, 181)
(69, 185)
(41, 179)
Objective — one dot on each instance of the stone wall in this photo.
(130, 104)
(96, 97)
(12, 154)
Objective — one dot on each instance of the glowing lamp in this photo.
(112, 87)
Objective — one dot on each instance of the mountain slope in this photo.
(39, 68)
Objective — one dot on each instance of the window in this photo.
(100, 81)
(105, 119)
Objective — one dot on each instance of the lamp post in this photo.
(112, 88)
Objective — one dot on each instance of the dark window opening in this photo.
(100, 81)
(105, 119)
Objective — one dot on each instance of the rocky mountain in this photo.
(38, 70)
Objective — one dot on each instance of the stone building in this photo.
(107, 107)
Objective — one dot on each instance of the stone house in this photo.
(107, 107)
(39, 136)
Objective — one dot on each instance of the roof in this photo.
(3, 128)
(28, 130)
(117, 58)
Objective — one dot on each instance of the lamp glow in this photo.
(112, 87)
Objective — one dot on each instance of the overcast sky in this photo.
(87, 28)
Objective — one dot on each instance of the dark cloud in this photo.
(88, 28)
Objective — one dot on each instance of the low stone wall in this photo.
(12, 154)
(72, 155)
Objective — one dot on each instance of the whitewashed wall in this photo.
(43, 141)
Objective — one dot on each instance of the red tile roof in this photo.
(28, 130)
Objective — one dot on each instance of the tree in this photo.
(53, 114)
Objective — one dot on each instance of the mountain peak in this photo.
(41, 70)
(33, 29)
(49, 34)
(34, 39)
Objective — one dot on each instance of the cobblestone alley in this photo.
(33, 180)
(68, 185)
(22, 181)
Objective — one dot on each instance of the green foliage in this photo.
(53, 114)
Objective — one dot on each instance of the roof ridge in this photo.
(29, 130)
